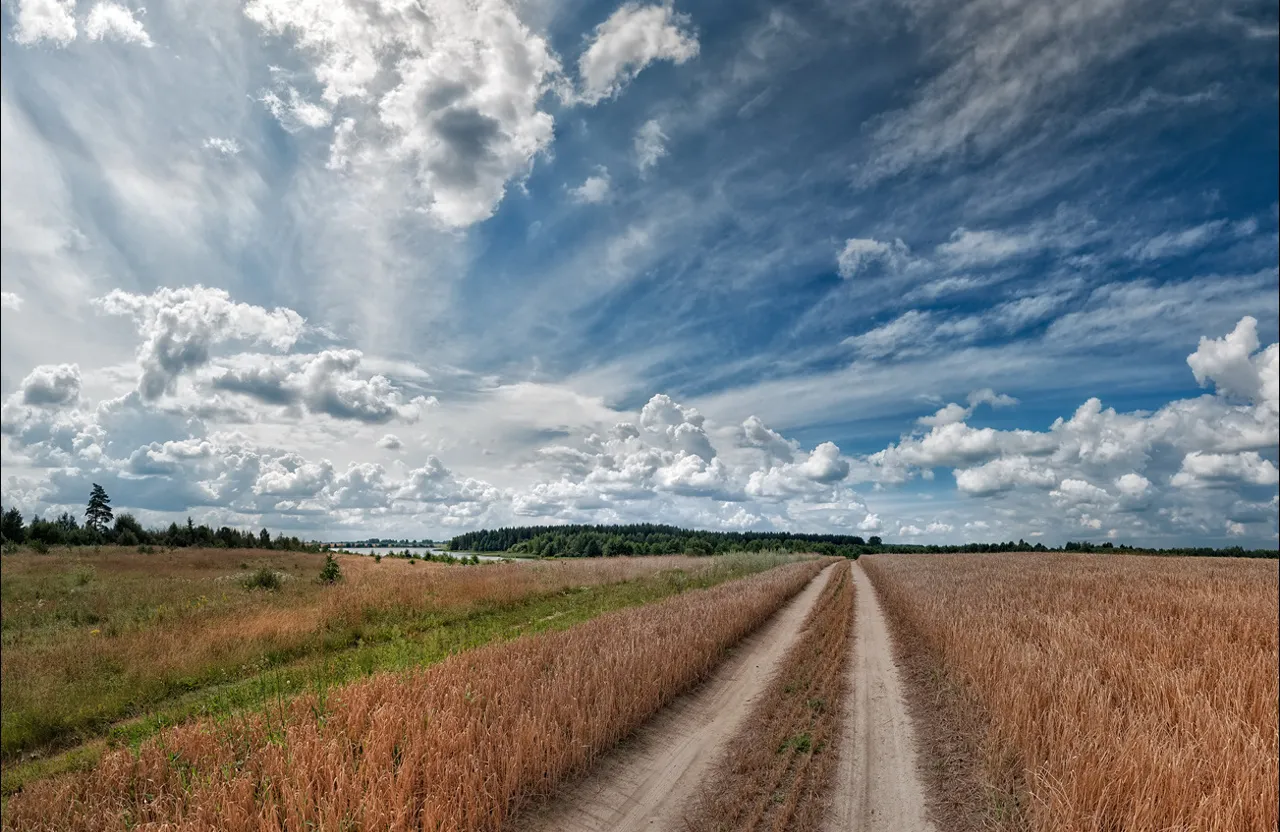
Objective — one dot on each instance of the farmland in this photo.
(114, 645)
(223, 689)
(458, 746)
(1115, 693)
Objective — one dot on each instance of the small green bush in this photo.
(264, 578)
(40, 547)
(331, 573)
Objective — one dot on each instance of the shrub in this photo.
(331, 573)
(264, 578)
(40, 547)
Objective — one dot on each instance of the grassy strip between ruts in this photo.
(778, 771)
(418, 642)
(460, 745)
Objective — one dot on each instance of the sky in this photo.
(935, 270)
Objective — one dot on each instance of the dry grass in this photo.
(458, 746)
(777, 772)
(92, 638)
(1127, 693)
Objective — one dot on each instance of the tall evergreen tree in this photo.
(98, 515)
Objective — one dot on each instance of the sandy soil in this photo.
(878, 787)
(644, 784)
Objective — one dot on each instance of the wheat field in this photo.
(461, 745)
(1130, 693)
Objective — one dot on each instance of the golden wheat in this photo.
(1130, 693)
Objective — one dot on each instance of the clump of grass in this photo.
(461, 745)
(264, 577)
(1120, 693)
(775, 772)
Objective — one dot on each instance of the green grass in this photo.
(352, 652)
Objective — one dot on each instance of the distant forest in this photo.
(125, 530)
(655, 539)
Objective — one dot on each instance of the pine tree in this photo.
(98, 515)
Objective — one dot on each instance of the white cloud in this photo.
(293, 111)
(41, 20)
(112, 21)
(329, 383)
(451, 93)
(988, 396)
(907, 329)
(10, 300)
(1171, 243)
(181, 326)
(51, 386)
(650, 144)
(1003, 474)
(594, 190)
(390, 442)
(859, 254)
(968, 248)
(224, 147)
(1203, 469)
(1229, 362)
(633, 37)
(1133, 485)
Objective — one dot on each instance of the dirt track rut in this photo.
(644, 784)
(878, 788)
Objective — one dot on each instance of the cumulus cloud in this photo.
(112, 21)
(650, 144)
(51, 385)
(633, 37)
(450, 92)
(180, 327)
(328, 383)
(390, 442)
(1201, 469)
(1231, 365)
(594, 190)
(10, 300)
(860, 254)
(1003, 474)
(952, 412)
(45, 20)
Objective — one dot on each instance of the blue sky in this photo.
(935, 271)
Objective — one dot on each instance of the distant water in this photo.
(416, 551)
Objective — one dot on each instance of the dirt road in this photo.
(644, 784)
(878, 788)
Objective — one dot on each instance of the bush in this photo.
(377, 558)
(40, 547)
(144, 549)
(330, 574)
(127, 538)
(264, 578)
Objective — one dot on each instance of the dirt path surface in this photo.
(644, 784)
(878, 788)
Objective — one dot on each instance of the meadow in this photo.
(105, 648)
(1128, 693)
(460, 745)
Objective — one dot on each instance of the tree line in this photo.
(102, 526)
(658, 539)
